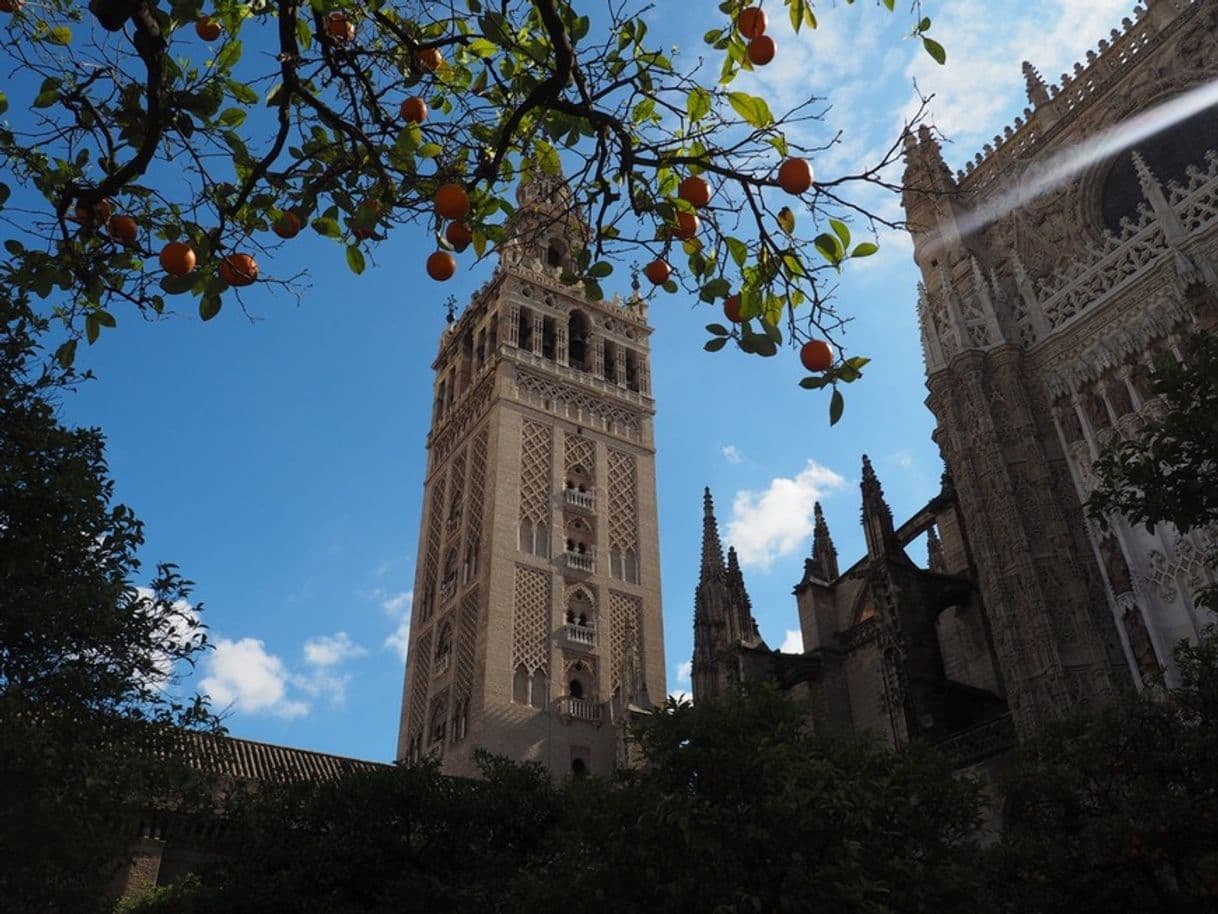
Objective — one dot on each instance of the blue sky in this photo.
(279, 461)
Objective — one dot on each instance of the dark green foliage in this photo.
(84, 653)
(1119, 812)
(739, 809)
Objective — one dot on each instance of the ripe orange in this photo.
(695, 190)
(238, 269)
(414, 109)
(339, 27)
(751, 22)
(207, 28)
(367, 213)
(441, 265)
(731, 309)
(287, 226)
(658, 272)
(816, 355)
(459, 235)
(11, 6)
(452, 202)
(94, 216)
(687, 226)
(177, 258)
(430, 59)
(123, 229)
(795, 176)
(762, 49)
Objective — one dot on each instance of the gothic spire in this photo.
(877, 516)
(712, 548)
(824, 555)
(745, 623)
(1038, 92)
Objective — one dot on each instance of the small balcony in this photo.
(580, 709)
(584, 501)
(581, 561)
(580, 634)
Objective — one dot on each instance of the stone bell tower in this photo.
(537, 625)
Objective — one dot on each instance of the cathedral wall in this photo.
(864, 673)
(965, 648)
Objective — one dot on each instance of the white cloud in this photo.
(793, 643)
(243, 676)
(399, 605)
(731, 454)
(777, 521)
(328, 650)
(684, 670)
(982, 85)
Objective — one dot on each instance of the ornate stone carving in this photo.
(1140, 645)
(531, 620)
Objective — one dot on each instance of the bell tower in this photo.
(537, 625)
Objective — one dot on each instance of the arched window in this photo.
(632, 370)
(549, 339)
(579, 536)
(630, 567)
(520, 685)
(428, 602)
(539, 696)
(580, 610)
(575, 689)
(579, 767)
(578, 344)
(611, 361)
(471, 562)
(578, 478)
(494, 338)
(526, 535)
(524, 329)
(444, 646)
(541, 539)
(460, 720)
(556, 253)
(449, 581)
(615, 562)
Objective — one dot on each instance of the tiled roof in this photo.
(249, 760)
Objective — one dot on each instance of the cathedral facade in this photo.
(536, 628)
(1070, 253)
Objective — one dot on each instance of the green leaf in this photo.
(738, 249)
(715, 344)
(813, 383)
(592, 290)
(786, 220)
(355, 259)
(232, 117)
(327, 227)
(226, 59)
(836, 404)
(752, 108)
(600, 270)
(105, 318)
(697, 104)
(65, 355)
(717, 329)
(3, 102)
(48, 93)
(61, 35)
(14, 247)
(243, 93)
(935, 50)
(209, 306)
(829, 247)
(670, 287)
(866, 249)
(482, 47)
(842, 231)
(176, 285)
(92, 329)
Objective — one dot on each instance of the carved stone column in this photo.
(511, 327)
(598, 356)
(619, 365)
(539, 326)
(562, 352)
